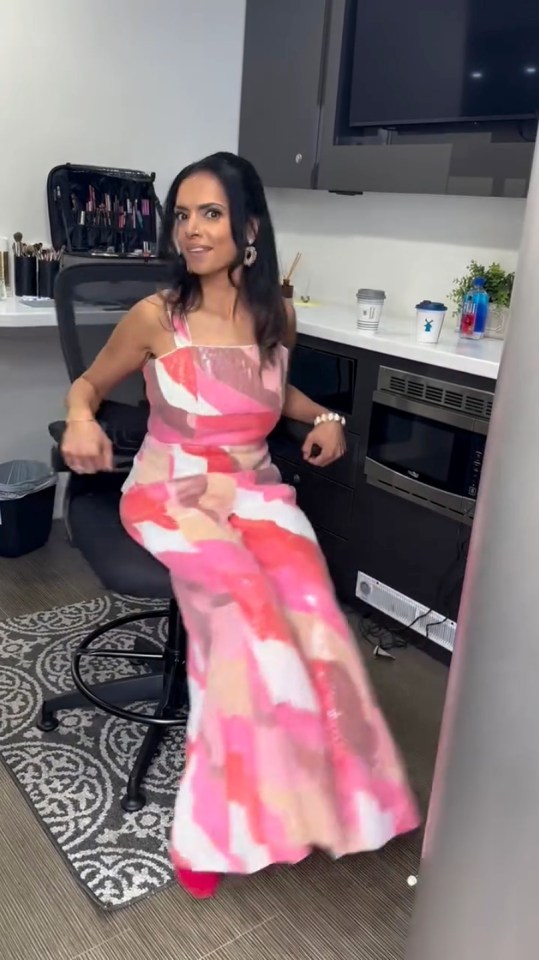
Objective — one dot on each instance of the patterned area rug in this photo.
(75, 776)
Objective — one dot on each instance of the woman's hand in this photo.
(329, 437)
(86, 448)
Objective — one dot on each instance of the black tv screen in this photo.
(444, 61)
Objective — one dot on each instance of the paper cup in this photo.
(430, 317)
(369, 309)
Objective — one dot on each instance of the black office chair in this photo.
(90, 298)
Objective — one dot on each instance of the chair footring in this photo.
(165, 686)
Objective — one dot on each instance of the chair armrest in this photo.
(56, 430)
(124, 425)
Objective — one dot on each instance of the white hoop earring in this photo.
(250, 255)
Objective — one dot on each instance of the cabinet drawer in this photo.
(340, 563)
(326, 503)
(287, 439)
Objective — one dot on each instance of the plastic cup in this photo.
(369, 309)
(430, 317)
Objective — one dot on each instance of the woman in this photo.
(287, 749)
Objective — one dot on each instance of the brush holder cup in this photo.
(47, 271)
(25, 277)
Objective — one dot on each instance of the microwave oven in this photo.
(427, 441)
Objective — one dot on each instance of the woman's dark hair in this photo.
(259, 286)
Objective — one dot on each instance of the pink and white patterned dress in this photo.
(287, 749)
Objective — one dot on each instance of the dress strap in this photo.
(180, 327)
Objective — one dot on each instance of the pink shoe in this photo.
(200, 885)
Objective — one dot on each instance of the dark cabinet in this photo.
(472, 160)
(280, 97)
(327, 504)
(293, 118)
(325, 495)
(329, 507)
(362, 528)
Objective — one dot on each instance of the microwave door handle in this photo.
(452, 418)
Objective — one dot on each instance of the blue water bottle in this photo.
(473, 319)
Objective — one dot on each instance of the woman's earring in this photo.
(249, 256)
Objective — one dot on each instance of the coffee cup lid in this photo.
(430, 305)
(366, 294)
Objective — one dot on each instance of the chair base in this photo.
(134, 799)
(165, 685)
(47, 721)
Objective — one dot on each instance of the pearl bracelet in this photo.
(330, 418)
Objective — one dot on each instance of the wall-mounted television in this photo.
(443, 61)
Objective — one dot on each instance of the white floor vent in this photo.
(404, 610)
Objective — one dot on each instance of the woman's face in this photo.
(202, 231)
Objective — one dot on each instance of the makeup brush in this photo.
(17, 245)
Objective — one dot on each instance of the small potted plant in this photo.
(499, 286)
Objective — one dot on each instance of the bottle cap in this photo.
(479, 282)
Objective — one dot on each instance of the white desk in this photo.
(17, 315)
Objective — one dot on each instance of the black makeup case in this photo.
(103, 211)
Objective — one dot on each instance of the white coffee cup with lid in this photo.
(430, 316)
(369, 309)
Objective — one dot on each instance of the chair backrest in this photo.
(91, 297)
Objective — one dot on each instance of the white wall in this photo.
(123, 82)
(131, 83)
(410, 246)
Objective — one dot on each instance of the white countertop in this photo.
(14, 314)
(395, 337)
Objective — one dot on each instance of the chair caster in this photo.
(133, 802)
(47, 721)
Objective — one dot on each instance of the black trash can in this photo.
(27, 490)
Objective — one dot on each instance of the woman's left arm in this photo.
(328, 435)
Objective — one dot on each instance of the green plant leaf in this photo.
(498, 284)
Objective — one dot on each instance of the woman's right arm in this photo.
(85, 446)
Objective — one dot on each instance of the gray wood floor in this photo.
(357, 908)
